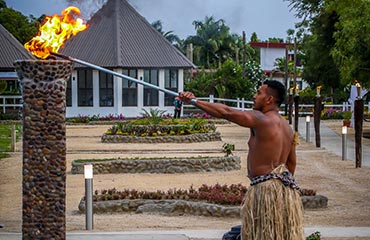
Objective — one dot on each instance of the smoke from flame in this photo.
(55, 31)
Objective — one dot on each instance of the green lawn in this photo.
(5, 137)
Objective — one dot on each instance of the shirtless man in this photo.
(271, 157)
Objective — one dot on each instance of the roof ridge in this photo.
(117, 44)
(14, 42)
(118, 36)
(158, 33)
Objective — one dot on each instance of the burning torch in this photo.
(57, 29)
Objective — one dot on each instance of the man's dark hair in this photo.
(276, 89)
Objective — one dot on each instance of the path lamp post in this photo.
(308, 120)
(344, 143)
(88, 172)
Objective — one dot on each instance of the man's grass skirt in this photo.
(273, 211)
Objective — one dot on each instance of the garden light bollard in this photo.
(88, 172)
(344, 143)
(308, 120)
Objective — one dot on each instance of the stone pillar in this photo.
(44, 147)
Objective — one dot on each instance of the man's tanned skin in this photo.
(271, 140)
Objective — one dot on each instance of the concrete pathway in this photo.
(210, 234)
(332, 142)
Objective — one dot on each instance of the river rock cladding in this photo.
(44, 147)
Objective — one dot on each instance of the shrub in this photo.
(217, 194)
(314, 236)
(10, 116)
(146, 127)
(332, 113)
(86, 118)
(228, 149)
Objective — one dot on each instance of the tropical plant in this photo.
(347, 115)
(153, 115)
(314, 236)
(228, 149)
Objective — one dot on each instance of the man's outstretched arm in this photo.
(243, 118)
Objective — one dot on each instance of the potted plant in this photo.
(347, 118)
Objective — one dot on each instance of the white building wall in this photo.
(117, 109)
(269, 55)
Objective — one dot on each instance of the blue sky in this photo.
(268, 18)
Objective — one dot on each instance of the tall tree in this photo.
(2, 4)
(339, 45)
(208, 41)
(23, 28)
(170, 36)
(319, 65)
(254, 37)
(351, 50)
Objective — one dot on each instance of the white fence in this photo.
(304, 109)
(9, 103)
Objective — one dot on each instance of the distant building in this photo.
(120, 39)
(10, 51)
(269, 52)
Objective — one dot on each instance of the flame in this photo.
(55, 31)
(318, 87)
(357, 83)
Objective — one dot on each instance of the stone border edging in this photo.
(162, 165)
(198, 137)
(180, 207)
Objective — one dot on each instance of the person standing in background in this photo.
(177, 103)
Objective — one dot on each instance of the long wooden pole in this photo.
(290, 108)
(359, 118)
(296, 112)
(317, 117)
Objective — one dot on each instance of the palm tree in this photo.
(280, 67)
(211, 42)
(170, 36)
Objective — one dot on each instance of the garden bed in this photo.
(181, 207)
(159, 165)
(198, 137)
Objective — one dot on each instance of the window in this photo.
(85, 88)
(150, 94)
(106, 90)
(69, 92)
(129, 88)
(170, 83)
